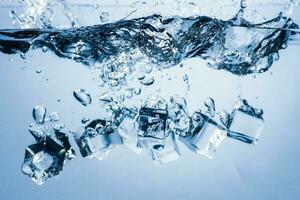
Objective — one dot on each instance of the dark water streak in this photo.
(165, 41)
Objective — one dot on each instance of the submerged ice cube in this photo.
(97, 139)
(129, 132)
(64, 139)
(245, 127)
(43, 160)
(92, 144)
(180, 120)
(205, 138)
(168, 153)
(246, 122)
(152, 120)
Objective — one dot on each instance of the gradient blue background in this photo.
(269, 170)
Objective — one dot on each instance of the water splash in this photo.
(240, 49)
(40, 13)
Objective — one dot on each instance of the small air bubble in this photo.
(85, 120)
(39, 114)
(82, 96)
(147, 82)
(54, 116)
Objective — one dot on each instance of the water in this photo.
(132, 49)
(154, 128)
(240, 49)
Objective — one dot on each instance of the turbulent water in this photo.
(240, 48)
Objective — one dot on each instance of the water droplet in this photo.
(82, 96)
(147, 69)
(54, 116)
(44, 49)
(114, 83)
(38, 71)
(104, 17)
(23, 56)
(185, 77)
(129, 94)
(85, 120)
(58, 127)
(148, 81)
(137, 91)
(105, 98)
(243, 4)
(210, 105)
(224, 118)
(39, 114)
(140, 76)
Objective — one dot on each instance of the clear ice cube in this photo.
(43, 160)
(97, 139)
(152, 122)
(206, 139)
(149, 143)
(92, 144)
(128, 131)
(168, 152)
(245, 126)
(180, 121)
(152, 125)
(64, 140)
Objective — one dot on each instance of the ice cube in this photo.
(64, 139)
(180, 121)
(115, 139)
(168, 152)
(152, 122)
(98, 138)
(149, 143)
(206, 139)
(128, 131)
(92, 144)
(152, 125)
(245, 126)
(43, 160)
